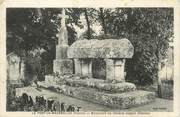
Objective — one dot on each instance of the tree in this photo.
(88, 24)
(30, 30)
(149, 30)
(103, 20)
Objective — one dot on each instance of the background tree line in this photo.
(149, 29)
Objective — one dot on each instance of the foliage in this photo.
(149, 30)
(30, 30)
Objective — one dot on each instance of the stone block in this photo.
(115, 69)
(123, 100)
(116, 100)
(83, 67)
(64, 66)
(49, 79)
(107, 48)
(83, 82)
(101, 85)
(77, 65)
(61, 51)
(117, 87)
(109, 69)
(119, 74)
(86, 65)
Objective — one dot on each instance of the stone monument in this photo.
(114, 91)
(114, 52)
(15, 69)
(62, 64)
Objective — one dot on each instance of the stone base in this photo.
(116, 100)
(51, 79)
(99, 84)
(64, 66)
(102, 85)
(116, 95)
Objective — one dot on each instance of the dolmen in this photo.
(114, 52)
(114, 91)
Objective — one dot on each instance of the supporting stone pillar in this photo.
(119, 69)
(77, 65)
(83, 67)
(109, 69)
(115, 69)
(86, 67)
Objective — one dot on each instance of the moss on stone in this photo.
(108, 48)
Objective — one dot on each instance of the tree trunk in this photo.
(39, 12)
(158, 80)
(88, 24)
(129, 24)
(103, 21)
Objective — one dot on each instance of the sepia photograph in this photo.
(87, 59)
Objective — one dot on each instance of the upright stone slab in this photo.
(119, 70)
(83, 67)
(62, 64)
(77, 65)
(109, 69)
(15, 69)
(115, 69)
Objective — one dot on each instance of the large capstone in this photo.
(107, 48)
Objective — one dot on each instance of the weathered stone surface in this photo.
(63, 66)
(93, 83)
(63, 33)
(108, 48)
(115, 69)
(110, 69)
(101, 85)
(49, 79)
(119, 70)
(83, 82)
(61, 51)
(122, 100)
(83, 67)
(116, 88)
(15, 69)
(77, 65)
